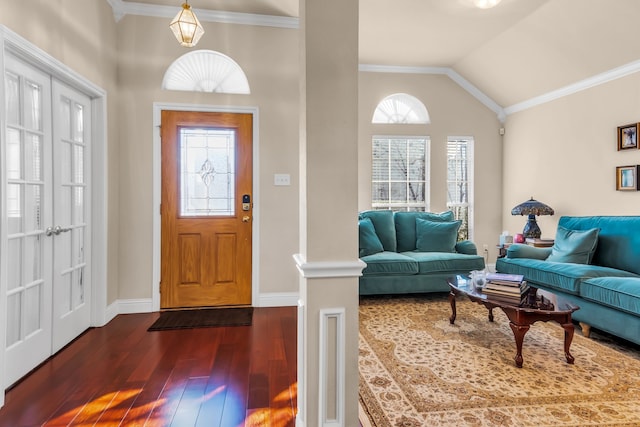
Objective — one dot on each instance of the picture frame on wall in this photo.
(627, 178)
(628, 136)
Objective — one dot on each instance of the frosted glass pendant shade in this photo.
(186, 27)
(486, 4)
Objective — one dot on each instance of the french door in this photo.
(46, 210)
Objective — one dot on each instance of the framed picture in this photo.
(628, 136)
(627, 178)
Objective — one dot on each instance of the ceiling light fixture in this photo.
(186, 27)
(485, 4)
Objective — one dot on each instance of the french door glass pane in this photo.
(207, 172)
(64, 294)
(32, 259)
(14, 315)
(14, 154)
(14, 208)
(33, 208)
(78, 287)
(78, 134)
(78, 164)
(33, 300)
(33, 106)
(12, 96)
(78, 205)
(33, 157)
(14, 268)
(65, 162)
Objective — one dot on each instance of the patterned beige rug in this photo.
(418, 370)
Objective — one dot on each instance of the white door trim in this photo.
(13, 43)
(157, 180)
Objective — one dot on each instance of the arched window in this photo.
(401, 108)
(206, 71)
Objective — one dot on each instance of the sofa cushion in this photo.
(436, 236)
(406, 226)
(389, 264)
(443, 262)
(575, 246)
(384, 225)
(622, 293)
(556, 275)
(369, 243)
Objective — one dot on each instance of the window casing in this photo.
(460, 183)
(400, 171)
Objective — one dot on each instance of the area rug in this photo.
(203, 318)
(418, 370)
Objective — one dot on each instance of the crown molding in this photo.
(449, 72)
(121, 8)
(598, 79)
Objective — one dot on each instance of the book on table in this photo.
(505, 279)
(517, 291)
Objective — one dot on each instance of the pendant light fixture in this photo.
(186, 27)
(485, 4)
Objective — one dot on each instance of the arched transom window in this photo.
(401, 108)
(206, 71)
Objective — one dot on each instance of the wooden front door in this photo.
(206, 209)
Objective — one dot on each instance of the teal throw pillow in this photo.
(436, 236)
(406, 226)
(369, 242)
(385, 228)
(574, 246)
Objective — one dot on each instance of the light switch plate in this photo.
(281, 179)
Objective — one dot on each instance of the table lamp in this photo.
(532, 208)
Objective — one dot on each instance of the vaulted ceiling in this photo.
(517, 51)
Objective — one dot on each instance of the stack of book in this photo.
(510, 288)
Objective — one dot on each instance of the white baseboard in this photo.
(278, 299)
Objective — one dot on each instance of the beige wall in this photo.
(81, 35)
(564, 153)
(453, 112)
(269, 58)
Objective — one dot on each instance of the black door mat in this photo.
(203, 318)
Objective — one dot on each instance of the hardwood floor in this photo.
(121, 374)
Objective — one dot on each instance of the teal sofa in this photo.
(595, 262)
(412, 252)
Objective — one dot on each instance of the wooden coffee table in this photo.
(540, 306)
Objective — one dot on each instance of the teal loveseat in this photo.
(595, 262)
(412, 252)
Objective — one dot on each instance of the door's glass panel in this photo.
(78, 245)
(63, 197)
(32, 106)
(78, 205)
(14, 268)
(14, 154)
(14, 314)
(64, 295)
(14, 208)
(33, 308)
(12, 95)
(63, 249)
(32, 259)
(207, 172)
(65, 162)
(78, 164)
(78, 134)
(33, 208)
(78, 287)
(65, 119)
(33, 157)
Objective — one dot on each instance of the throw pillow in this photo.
(385, 228)
(574, 246)
(436, 236)
(406, 226)
(369, 242)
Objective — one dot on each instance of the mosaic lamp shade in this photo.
(532, 208)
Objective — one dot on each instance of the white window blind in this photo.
(460, 182)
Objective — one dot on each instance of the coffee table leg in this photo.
(491, 314)
(452, 301)
(568, 337)
(518, 333)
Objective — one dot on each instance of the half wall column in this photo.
(328, 259)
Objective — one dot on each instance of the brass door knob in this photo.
(246, 218)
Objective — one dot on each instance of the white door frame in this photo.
(13, 43)
(157, 197)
